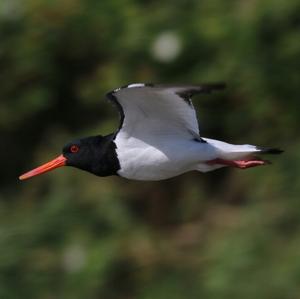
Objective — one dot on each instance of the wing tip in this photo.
(205, 87)
(209, 87)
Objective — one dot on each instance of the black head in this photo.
(96, 154)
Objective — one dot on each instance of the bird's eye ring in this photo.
(74, 148)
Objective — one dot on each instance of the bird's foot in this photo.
(242, 164)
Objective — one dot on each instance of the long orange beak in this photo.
(57, 162)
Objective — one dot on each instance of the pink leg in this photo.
(242, 164)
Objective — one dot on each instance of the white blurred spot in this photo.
(166, 46)
(74, 258)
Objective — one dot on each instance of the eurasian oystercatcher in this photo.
(158, 138)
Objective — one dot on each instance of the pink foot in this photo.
(242, 164)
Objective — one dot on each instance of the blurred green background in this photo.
(226, 234)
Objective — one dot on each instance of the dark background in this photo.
(226, 234)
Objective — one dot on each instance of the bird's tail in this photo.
(269, 150)
(240, 151)
(240, 156)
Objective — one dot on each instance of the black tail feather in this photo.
(270, 150)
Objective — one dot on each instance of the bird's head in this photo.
(87, 154)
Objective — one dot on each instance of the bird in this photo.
(158, 138)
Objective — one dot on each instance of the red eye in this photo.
(74, 149)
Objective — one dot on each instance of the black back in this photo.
(95, 154)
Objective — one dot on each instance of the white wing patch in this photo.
(156, 111)
(149, 110)
(135, 85)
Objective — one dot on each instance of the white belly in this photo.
(162, 160)
(149, 164)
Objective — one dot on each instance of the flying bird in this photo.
(158, 138)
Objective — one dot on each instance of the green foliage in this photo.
(227, 234)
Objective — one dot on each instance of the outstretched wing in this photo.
(163, 110)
